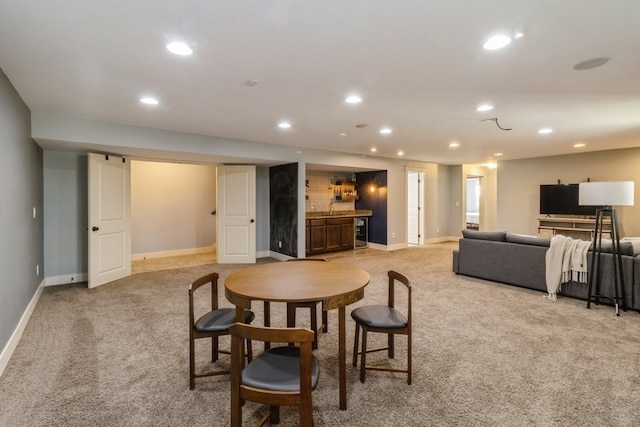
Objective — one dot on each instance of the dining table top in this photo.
(301, 281)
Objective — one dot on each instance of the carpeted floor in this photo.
(485, 354)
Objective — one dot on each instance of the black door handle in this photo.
(95, 228)
(253, 220)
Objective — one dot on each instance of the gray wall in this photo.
(519, 185)
(65, 214)
(21, 245)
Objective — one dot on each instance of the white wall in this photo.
(519, 185)
(171, 205)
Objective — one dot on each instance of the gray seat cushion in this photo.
(221, 319)
(279, 369)
(379, 316)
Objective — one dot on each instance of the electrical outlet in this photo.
(34, 212)
(37, 269)
(393, 235)
(280, 244)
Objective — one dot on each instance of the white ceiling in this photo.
(419, 66)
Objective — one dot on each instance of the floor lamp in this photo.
(606, 194)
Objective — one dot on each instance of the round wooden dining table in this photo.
(336, 285)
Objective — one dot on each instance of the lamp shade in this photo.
(606, 193)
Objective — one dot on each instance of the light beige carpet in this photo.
(485, 354)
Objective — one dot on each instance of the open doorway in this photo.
(415, 208)
(473, 202)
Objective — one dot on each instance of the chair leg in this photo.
(363, 355)
(274, 418)
(325, 322)
(291, 315)
(356, 336)
(214, 348)
(390, 344)
(192, 364)
(409, 358)
(314, 327)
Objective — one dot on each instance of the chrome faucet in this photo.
(331, 208)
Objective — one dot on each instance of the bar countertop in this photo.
(338, 214)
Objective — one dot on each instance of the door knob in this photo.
(95, 228)
(252, 220)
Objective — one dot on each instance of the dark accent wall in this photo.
(283, 197)
(375, 201)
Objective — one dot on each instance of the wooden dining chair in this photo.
(384, 319)
(312, 306)
(281, 376)
(213, 323)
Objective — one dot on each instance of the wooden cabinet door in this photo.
(334, 237)
(348, 235)
(317, 235)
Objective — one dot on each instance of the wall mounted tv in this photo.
(562, 199)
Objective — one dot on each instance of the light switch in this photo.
(34, 212)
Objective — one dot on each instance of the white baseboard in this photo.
(7, 352)
(441, 239)
(66, 279)
(178, 252)
(279, 256)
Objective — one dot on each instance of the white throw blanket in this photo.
(565, 260)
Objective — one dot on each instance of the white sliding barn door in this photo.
(109, 218)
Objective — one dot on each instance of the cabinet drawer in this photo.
(339, 221)
(317, 222)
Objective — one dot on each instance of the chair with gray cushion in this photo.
(312, 306)
(212, 323)
(384, 319)
(280, 376)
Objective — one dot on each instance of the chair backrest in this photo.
(212, 279)
(304, 337)
(395, 277)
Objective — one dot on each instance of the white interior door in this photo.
(109, 219)
(236, 226)
(413, 208)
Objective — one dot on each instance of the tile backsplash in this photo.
(320, 191)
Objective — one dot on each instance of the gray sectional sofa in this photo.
(520, 260)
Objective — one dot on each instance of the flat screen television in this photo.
(562, 199)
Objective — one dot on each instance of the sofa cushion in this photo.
(498, 236)
(626, 248)
(528, 240)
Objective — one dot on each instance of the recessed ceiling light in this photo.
(374, 149)
(484, 107)
(284, 125)
(492, 165)
(545, 131)
(385, 131)
(519, 34)
(498, 154)
(400, 153)
(454, 145)
(579, 145)
(497, 42)
(353, 99)
(343, 134)
(179, 48)
(149, 100)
